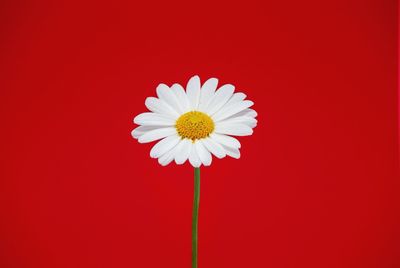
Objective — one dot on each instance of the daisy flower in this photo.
(195, 124)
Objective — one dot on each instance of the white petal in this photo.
(250, 121)
(247, 112)
(251, 113)
(182, 97)
(194, 158)
(232, 152)
(207, 92)
(139, 131)
(221, 96)
(203, 153)
(161, 107)
(193, 91)
(184, 151)
(157, 134)
(239, 96)
(214, 147)
(169, 156)
(236, 97)
(233, 109)
(164, 146)
(153, 119)
(225, 140)
(167, 95)
(233, 129)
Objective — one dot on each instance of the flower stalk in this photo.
(196, 199)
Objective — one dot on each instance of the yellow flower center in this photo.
(194, 125)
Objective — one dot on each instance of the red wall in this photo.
(317, 184)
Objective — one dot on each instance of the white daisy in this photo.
(195, 124)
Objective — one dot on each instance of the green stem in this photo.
(195, 217)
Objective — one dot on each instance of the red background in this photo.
(317, 184)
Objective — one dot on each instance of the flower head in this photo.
(196, 123)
